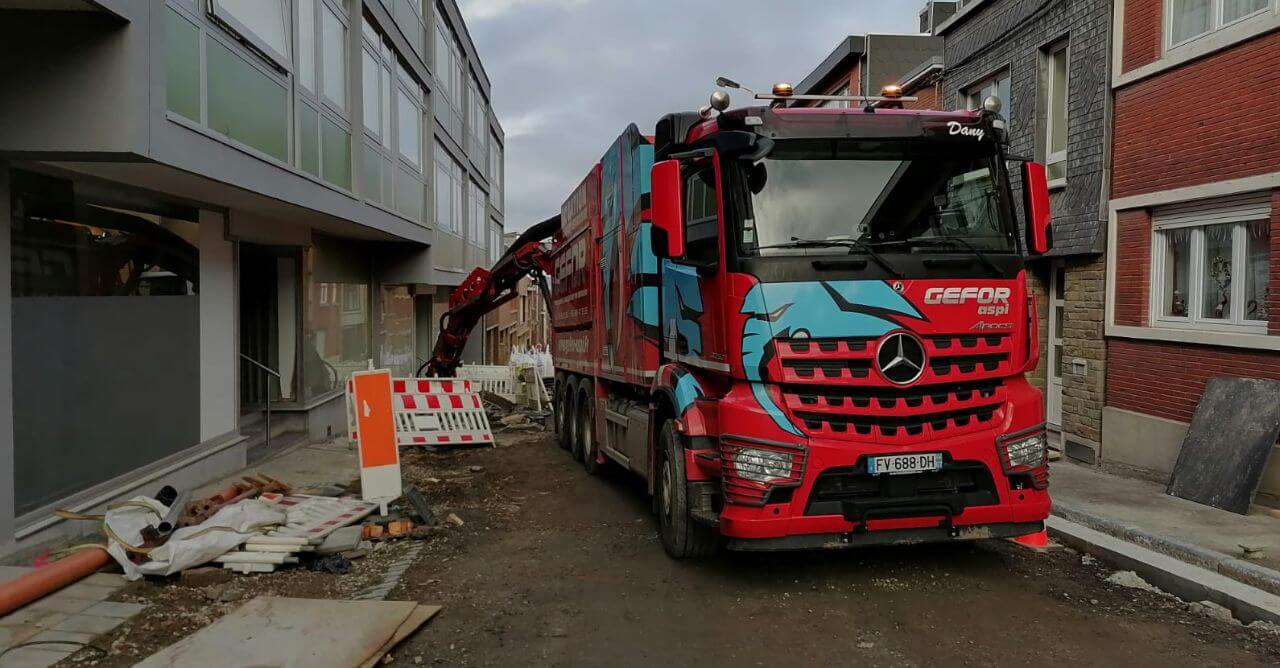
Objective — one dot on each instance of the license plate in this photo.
(903, 464)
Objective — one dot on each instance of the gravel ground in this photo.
(554, 567)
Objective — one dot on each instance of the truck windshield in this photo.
(817, 196)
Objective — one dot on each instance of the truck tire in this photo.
(590, 448)
(564, 390)
(575, 419)
(682, 536)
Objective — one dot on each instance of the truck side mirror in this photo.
(668, 209)
(1035, 202)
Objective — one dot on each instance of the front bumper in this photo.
(1007, 506)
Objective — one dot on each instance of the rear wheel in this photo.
(682, 536)
(575, 418)
(564, 390)
(590, 456)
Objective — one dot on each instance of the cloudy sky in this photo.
(569, 75)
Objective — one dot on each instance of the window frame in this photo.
(1217, 21)
(225, 19)
(1237, 323)
(1051, 52)
(973, 91)
(689, 173)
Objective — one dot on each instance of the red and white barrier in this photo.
(437, 411)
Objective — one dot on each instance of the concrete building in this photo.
(522, 323)
(1195, 203)
(862, 64)
(1045, 59)
(198, 190)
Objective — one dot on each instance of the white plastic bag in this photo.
(189, 546)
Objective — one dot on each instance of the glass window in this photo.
(309, 139)
(385, 86)
(478, 215)
(337, 326)
(1234, 10)
(495, 173)
(104, 305)
(820, 196)
(395, 331)
(1056, 110)
(335, 163)
(370, 96)
(999, 86)
(409, 121)
(265, 23)
(1217, 272)
(1177, 272)
(701, 217)
(1257, 269)
(246, 104)
(333, 51)
(1190, 18)
(449, 193)
(182, 51)
(307, 44)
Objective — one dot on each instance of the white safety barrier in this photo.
(499, 380)
(437, 411)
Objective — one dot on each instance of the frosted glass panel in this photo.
(182, 60)
(246, 104)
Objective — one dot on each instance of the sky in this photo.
(569, 75)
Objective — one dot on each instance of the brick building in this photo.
(1047, 61)
(522, 323)
(1195, 201)
(862, 64)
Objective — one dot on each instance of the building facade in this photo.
(1047, 61)
(861, 65)
(523, 323)
(213, 207)
(1194, 279)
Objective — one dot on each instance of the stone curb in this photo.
(1249, 573)
(1188, 582)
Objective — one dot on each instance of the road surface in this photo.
(555, 567)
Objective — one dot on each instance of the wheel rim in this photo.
(588, 441)
(666, 489)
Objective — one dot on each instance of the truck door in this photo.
(692, 331)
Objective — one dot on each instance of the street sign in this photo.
(375, 436)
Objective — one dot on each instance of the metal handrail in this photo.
(267, 396)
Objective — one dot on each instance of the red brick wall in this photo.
(1133, 262)
(1142, 33)
(1210, 120)
(930, 97)
(1166, 379)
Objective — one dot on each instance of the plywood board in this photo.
(314, 633)
(1225, 451)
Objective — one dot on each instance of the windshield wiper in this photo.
(960, 241)
(854, 246)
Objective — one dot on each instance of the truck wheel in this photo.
(575, 418)
(682, 537)
(588, 438)
(564, 390)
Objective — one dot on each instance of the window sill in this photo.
(1173, 56)
(1195, 336)
(1058, 184)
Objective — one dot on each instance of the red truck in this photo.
(803, 327)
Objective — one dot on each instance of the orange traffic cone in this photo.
(1036, 541)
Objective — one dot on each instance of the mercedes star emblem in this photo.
(901, 358)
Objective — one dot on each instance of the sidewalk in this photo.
(1140, 512)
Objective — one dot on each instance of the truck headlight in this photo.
(762, 466)
(1023, 451)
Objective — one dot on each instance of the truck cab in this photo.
(841, 328)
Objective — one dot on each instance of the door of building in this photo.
(1057, 316)
(269, 324)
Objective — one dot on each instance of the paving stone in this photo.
(62, 603)
(113, 580)
(88, 591)
(88, 624)
(8, 573)
(72, 636)
(12, 635)
(29, 616)
(114, 609)
(32, 657)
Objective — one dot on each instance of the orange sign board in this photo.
(374, 422)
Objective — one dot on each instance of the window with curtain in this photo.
(1211, 265)
(1191, 19)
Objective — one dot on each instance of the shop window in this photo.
(104, 306)
(1192, 19)
(338, 321)
(395, 331)
(1211, 265)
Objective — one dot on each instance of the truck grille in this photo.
(832, 390)
(958, 485)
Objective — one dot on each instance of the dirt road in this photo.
(554, 567)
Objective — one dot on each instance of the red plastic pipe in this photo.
(45, 580)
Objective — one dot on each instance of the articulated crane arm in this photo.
(485, 290)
